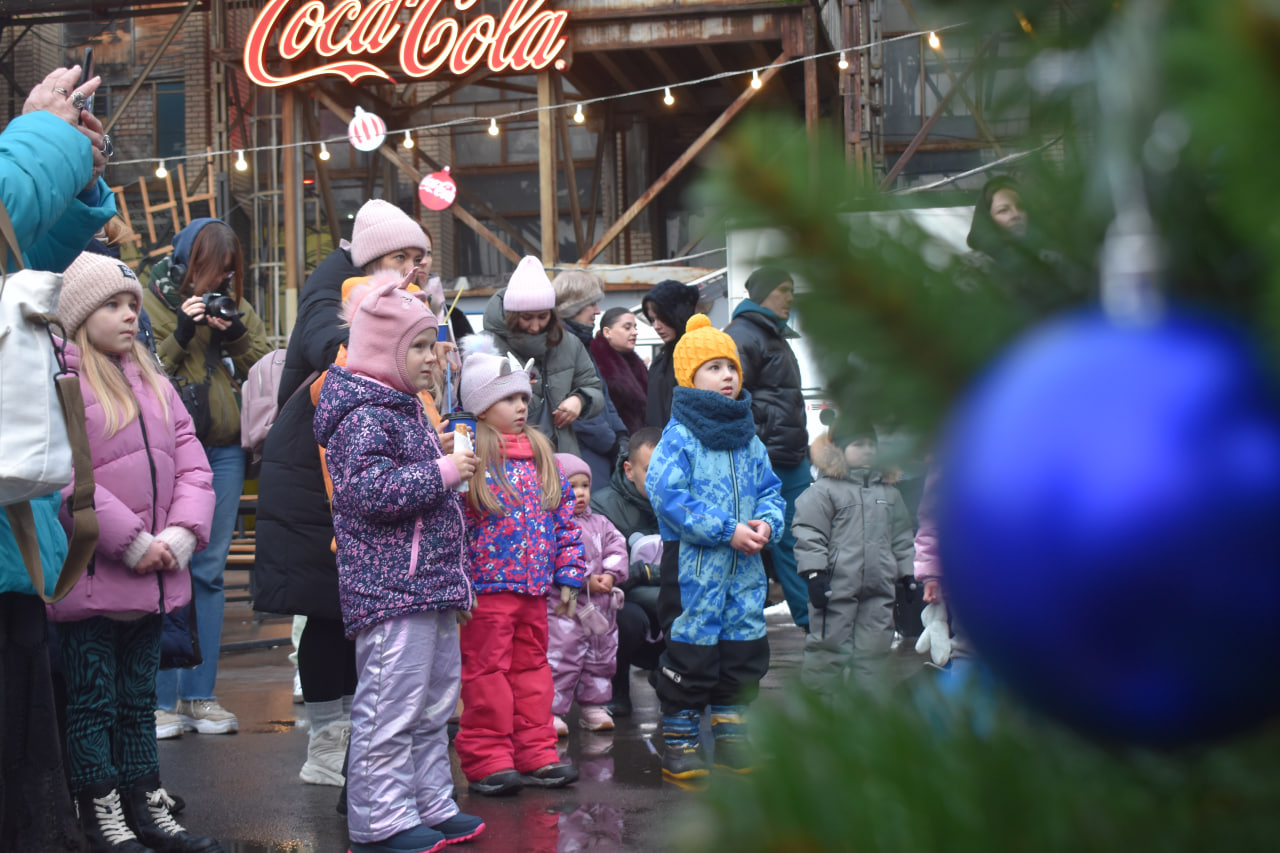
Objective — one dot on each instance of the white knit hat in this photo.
(529, 288)
(487, 376)
(575, 290)
(380, 229)
(88, 282)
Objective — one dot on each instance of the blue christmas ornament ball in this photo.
(1109, 506)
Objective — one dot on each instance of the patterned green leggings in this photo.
(110, 667)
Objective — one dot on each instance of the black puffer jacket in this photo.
(295, 570)
(772, 375)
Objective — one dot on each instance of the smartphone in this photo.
(86, 74)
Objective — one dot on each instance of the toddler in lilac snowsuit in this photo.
(403, 578)
(583, 649)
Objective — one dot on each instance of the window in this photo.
(171, 120)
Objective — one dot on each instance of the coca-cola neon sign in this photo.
(526, 38)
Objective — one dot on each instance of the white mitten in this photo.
(936, 637)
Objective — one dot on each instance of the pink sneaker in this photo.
(595, 718)
(562, 728)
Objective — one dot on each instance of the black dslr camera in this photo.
(221, 306)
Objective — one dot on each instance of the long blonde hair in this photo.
(490, 456)
(119, 406)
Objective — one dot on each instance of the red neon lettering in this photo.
(526, 37)
(463, 60)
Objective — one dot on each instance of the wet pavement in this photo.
(244, 789)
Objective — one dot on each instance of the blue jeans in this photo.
(206, 579)
(783, 548)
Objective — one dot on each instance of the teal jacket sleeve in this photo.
(53, 547)
(45, 164)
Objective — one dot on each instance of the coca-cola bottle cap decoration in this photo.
(438, 190)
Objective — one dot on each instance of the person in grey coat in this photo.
(854, 539)
(522, 320)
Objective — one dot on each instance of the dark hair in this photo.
(611, 316)
(644, 437)
(554, 330)
(984, 234)
(213, 245)
(673, 302)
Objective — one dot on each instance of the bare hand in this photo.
(193, 307)
(465, 461)
(932, 592)
(568, 602)
(600, 583)
(218, 323)
(158, 558)
(446, 437)
(54, 94)
(567, 412)
(464, 616)
(91, 127)
(747, 540)
(761, 527)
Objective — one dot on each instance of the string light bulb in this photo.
(578, 116)
(843, 64)
(324, 152)
(241, 164)
(755, 79)
(493, 127)
(408, 140)
(666, 96)
(161, 171)
(934, 41)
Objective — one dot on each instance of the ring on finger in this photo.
(107, 147)
(78, 100)
(61, 91)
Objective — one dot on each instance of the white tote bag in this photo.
(35, 454)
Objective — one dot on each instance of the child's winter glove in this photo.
(819, 589)
(568, 602)
(936, 637)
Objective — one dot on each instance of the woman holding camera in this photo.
(207, 337)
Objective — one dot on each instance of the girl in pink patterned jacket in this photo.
(154, 500)
(583, 650)
(522, 541)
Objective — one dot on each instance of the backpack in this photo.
(259, 406)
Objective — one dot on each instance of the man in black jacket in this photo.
(772, 375)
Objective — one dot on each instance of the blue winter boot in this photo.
(728, 726)
(682, 758)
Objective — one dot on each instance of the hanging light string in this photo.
(577, 105)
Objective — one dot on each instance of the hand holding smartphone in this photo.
(86, 74)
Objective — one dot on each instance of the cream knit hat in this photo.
(380, 229)
(529, 288)
(87, 283)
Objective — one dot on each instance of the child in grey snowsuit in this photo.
(854, 539)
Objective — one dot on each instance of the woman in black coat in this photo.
(667, 307)
(295, 570)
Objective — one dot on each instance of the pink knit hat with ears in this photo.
(87, 283)
(382, 329)
(529, 288)
(380, 229)
(573, 464)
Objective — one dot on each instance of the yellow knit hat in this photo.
(700, 343)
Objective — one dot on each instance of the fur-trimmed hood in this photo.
(830, 462)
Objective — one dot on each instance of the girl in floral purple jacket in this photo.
(522, 541)
(402, 576)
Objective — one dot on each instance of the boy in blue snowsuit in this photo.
(718, 504)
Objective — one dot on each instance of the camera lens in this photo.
(220, 306)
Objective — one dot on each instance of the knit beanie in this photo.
(487, 376)
(573, 464)
(575, 290)
(701, 343)
(673, 302)
(87, 283)
(764, 281)
(380, 229)
(382, 329)
(529, 288)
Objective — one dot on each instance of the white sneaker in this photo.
(168, 724)
(326, 753)
(297, 687)
(206, 716)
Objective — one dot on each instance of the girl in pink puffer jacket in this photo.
(154, 501)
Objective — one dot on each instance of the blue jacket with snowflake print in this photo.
(709, 473)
